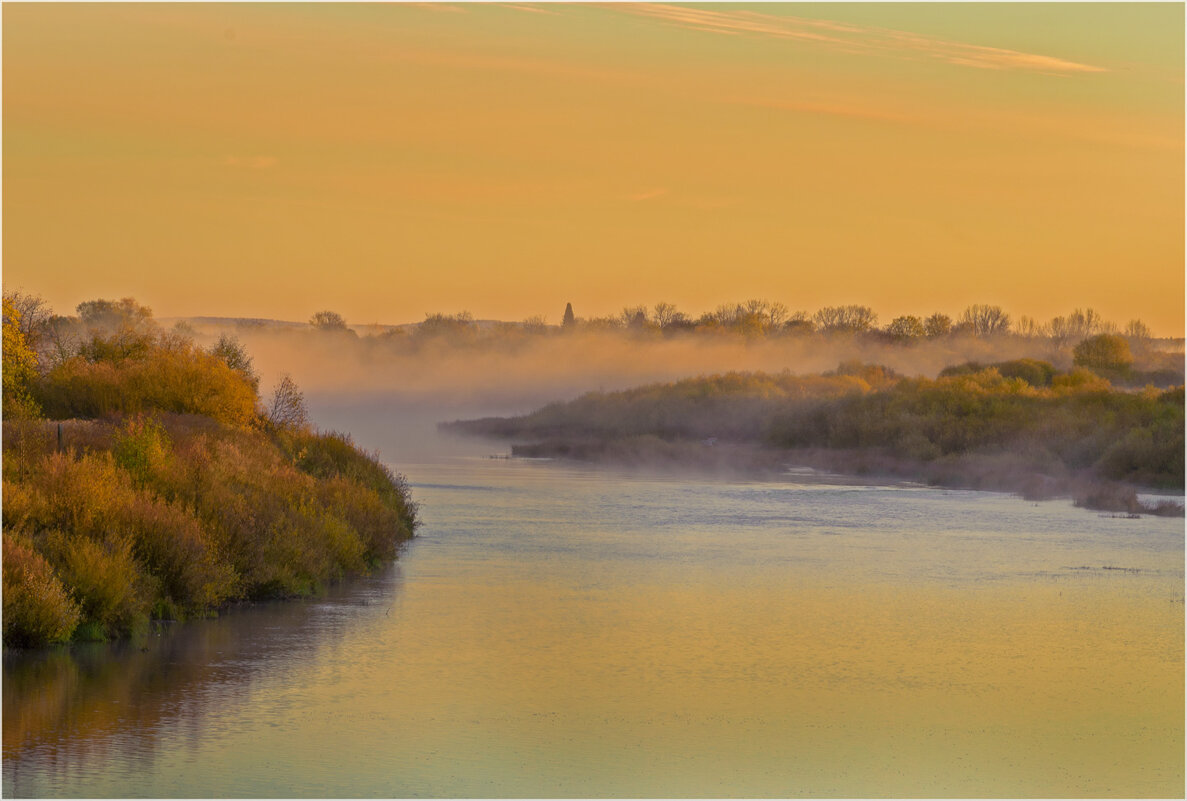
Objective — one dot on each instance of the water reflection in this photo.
(73, 707)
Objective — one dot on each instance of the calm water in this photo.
(560, 631)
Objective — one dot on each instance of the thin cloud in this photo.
(648, 194)
(533, 9)
(854, 38)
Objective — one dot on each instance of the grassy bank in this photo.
(145, 478)
(1021, 426)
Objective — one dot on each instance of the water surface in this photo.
(558, 631)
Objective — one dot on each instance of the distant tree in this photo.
(1077, 326)
(35, 315)
(1059, 330)
(232, 353)
(799, 324)
(536, 324)
(1137, 330)
(1088, 323)
(634, 317)
(118, 330)
(112, 315)
(438, 324)
(726, 315)
(664, 314)
(906, 327)
(1030, 327)
(938, 325)
(609, 323)
(708, 321)
(829, 318)
(59, 342)
(769, 314)
(1103, 351)
(568, 321)
(984, 320)
(286, 409)
(19, 369)
(328, 321)
(845, 319)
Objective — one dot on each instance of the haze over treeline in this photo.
(507, 366)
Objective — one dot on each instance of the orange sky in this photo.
(386, 161)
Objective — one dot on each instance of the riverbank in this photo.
(734, 460)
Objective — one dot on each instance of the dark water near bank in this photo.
(562, 631)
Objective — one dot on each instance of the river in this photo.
(558, 630)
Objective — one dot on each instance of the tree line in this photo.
(758, 317)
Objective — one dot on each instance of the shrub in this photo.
(174, 548)
(180, 380)
(1034, 372)
(1104, 351)
(103, 578)
(37, 608)
(230, 351)
(141, 447)
(1080, 380)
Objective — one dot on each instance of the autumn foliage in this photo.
(159, 488)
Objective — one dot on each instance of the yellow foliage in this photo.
(37, 608)
(19, 368)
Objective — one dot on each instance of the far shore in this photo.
(993, 473)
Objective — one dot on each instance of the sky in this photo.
(390, 161)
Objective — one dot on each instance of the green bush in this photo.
(141, 447)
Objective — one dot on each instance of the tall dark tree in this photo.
(568, 320)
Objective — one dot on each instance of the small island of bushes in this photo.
(1021, 426)
(145, 478)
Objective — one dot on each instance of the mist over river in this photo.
(563, 630)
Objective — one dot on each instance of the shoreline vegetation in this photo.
(146, 479)
(1021, 426)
